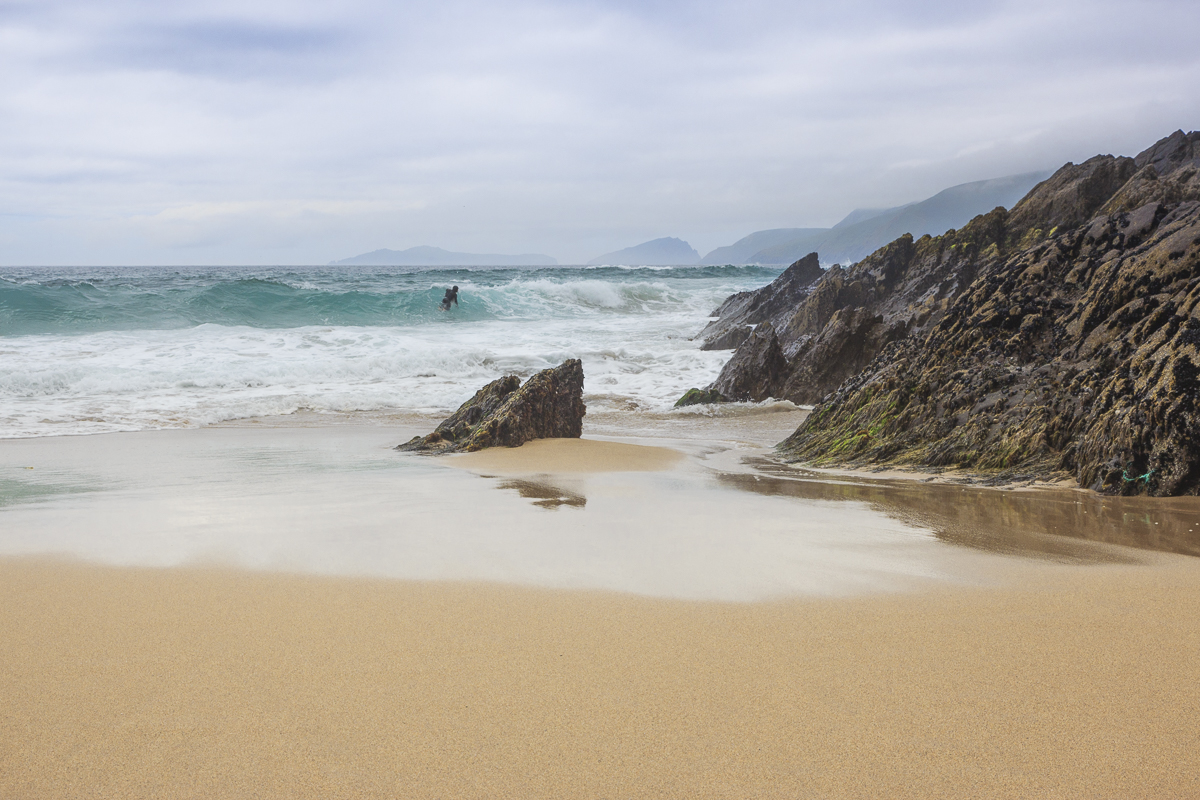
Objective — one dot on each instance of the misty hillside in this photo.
(423, 256)
(741, 251)
(667, 251)
(864, 231)
(861, 214)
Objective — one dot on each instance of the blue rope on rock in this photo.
(1144, 478)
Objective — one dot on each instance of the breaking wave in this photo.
(36, 301)
(126, 349)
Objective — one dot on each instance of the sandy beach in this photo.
(212, 683)
(600, 401)
(295, 610)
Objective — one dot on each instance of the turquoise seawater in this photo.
(75, 300)
(92, 349)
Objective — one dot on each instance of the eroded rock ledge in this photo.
(1059, 339)
(505, 413)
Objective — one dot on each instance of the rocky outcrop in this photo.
(505, 413)
(1068, 198)
(737, 316)
(459, 426)
(1169, 172)
(755, 369)
(1062, 338)
(831, 329)
(835, 326)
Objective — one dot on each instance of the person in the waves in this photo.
(451, 297)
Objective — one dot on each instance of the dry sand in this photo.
(568, 456)
(137, 683)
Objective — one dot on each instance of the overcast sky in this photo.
(260, 132)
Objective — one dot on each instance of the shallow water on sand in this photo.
(338, 500)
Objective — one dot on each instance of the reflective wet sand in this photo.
(696, 511)
(1000, 520)
(299, 611)
(694, 517)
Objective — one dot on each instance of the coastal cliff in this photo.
(1057, 339)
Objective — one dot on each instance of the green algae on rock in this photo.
(1077, 357)
(695, 397)
(504, 413)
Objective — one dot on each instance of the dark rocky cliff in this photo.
(1056, 339)
(774, 303)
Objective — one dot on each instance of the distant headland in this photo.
(665, 252)
(424, 256)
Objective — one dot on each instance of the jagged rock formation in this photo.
(505, 413)
(773, 303)
(755, 368)
(839, 323)
(1059, 339)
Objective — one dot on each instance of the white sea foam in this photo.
(633, 335)
(132, 380)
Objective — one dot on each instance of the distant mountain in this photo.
(865, 230)
(667, 251)
(437, 257)
(743, 249)
(863, 214)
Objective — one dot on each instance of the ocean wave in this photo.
(113, 350)
(43, 302)
(747, 409)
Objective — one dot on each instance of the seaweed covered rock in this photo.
(459, 426)
(504, 413)
(1072, 350)
(1168, 172)
(695, 397)
(1068, 198)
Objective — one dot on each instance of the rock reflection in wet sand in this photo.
(1049, 523)
(545, 495)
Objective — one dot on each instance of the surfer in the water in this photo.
(451, 297)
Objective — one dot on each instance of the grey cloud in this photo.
(233, 45)
(232, 49)
(304, 132)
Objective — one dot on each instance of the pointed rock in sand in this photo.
(505, 413)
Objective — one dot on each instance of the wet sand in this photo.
(139, 683)
(562, 627)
